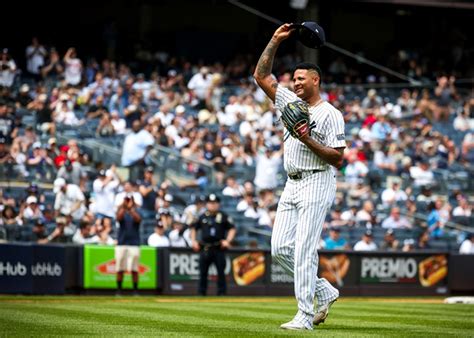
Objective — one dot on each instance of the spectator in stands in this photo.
(129, 190)
(233, 188)
(408, 245)
(105, 187)
(72, 172)
(422, 174)
(32, 210)
(268, 163)
(136, 148)
(467, 246)
(59, 234)
(23, 99)
(464, 121)
(199, 86)
(349, 215)
(394, 194)
(118, 123)
(35, 58)
(444, 93)
(180, 235)
(355, 171)
(7, 69)
(424, 241)
(148, 189)
(464, 209)
(372, 100)
(39, 162)
(158, 238)
(434, 220)
(38, 231)
(396, 221)
(69, 200)
(54, 68)
(84, 235)
(334, 241)
(127, 251)
(389, 243)
(73, 69)
(366, 243)
(381, 130)
(192, 212)
(366, 214)
(10, 216)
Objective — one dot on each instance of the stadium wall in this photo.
(59, 269)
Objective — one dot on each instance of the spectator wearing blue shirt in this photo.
(334, 241)
(435, 226)
(381, 129)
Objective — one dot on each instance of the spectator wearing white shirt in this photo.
(73, 72)
(69, 200)
(192, 212)
(35, 56)
(356, 170)
(158, 239)
(366, 214)
(129, 190)
(7, 69)
(268, 164)
(421, 174)
(199, 85)
(467, 247)
(366, 243)
(118, 123)
(233, 188)
(394, 194)
(246, 202)
(136, 147)
(396, 221)
(180, 236)
(32, 210)
(463, 209)
(105, 187)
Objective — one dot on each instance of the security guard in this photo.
(216, 234)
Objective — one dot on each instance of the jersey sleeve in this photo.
(283, 96)
(335, 123)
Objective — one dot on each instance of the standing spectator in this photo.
(434, 221)
(395, 221)
(7, 69)
(199, 85)
(268, 165)
(35, 56)
(104, 188)
(467, 247)
(147, 189)
(136, 147)
(444, 93)
(127, 251)
(366, 243)
(8, 125)
(72, 172)
(159, 239)
(129, 189)
(54, 68)
(73, 73)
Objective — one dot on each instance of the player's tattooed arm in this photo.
(263, 70)
(332, 156)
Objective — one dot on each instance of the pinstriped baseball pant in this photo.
(296, 233)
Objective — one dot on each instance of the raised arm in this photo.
(263, 70)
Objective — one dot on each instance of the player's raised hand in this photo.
(283, 32)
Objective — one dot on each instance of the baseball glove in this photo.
(295, 117)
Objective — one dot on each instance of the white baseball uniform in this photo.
(304, 204)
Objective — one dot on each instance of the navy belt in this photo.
(300, 174)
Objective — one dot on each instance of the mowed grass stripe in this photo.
(161, 321)
(435, 309)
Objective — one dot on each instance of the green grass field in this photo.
(228, 316)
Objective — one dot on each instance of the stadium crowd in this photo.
(407, 172)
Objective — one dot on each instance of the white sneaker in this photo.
(294, 325)
(323, 313)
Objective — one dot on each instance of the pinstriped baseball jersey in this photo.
(327, 126)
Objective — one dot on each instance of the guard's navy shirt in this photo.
(213, 227)
(128, 233)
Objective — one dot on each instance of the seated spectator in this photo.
(105, 127)
(180, 235)
(463, 209)
(408, 245)
(10, 216)
(395, 221)
(39, 161)
(355, 170)
(118, 123)
(422, 174)
(32, 210)
(424, 241)
(394, 194)
(366, 214)
(444, 93)
(158, 238)
(59, 234)
(39, 231)
(334, 241)
(192, 212)
(84, 235)
(467, 246)
(381, 129)
(98, 109)
(245, 203)
(349, 215)
(434, 220)
(389, 243)
(232, 188)
(366, 243)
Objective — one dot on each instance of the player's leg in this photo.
(313, 194)
(284, 229)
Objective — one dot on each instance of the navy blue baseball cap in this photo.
(213, 198)
(310, 34)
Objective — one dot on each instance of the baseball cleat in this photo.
(323, 313)
(294, 325)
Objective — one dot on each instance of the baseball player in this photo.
(314, 143)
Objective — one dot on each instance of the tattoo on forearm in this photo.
(265, 63)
